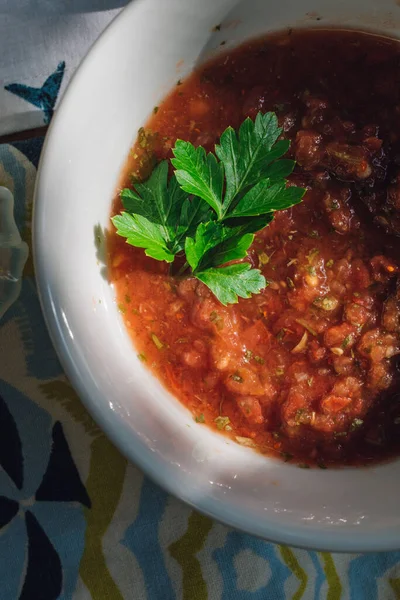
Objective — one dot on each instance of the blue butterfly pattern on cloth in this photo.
(45, 97)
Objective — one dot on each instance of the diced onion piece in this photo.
(244, 441)
(304, 324)
(302, 345)
(337, 351)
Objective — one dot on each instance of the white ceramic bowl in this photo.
(128, 71)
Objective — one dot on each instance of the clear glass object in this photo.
(13, 253)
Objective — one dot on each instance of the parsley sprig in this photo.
(212, 205)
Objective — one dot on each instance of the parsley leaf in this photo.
(212, 206)
(245, 156)
(163, 203)
(248, 170)
(279, 170)
(207, 236)
(142, 233)
(232, 247)
(193, 212)
(261, 199)
(199, 173)
(157, 199)
(215, 244)
(227, 283)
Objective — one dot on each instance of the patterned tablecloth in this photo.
(76, 520)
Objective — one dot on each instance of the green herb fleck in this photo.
(290, 283)
(157, 342)
(281, 334)
(248, 355)
(155, 110)
(346, 341)
(217, 320)
(263, 258)
(200, 418)
(259, 360)
(328, 303)
(313, 254)
(335, 205)
(330, 263)
(222, 422)
(302, 417)
(141, 356)
(236, 377)
(303, 466)
(286, 456)
(356, 424)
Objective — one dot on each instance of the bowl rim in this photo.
(113, 425)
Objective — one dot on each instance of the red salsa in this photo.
(305, 370)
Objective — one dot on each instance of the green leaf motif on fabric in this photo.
(104, 485)
(290, 559)
(184, 552)
(62, 391)
(333, 579)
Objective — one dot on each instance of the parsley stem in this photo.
(183, 269)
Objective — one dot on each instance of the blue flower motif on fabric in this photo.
(225, 558)
(45, 97)
(42, 525)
